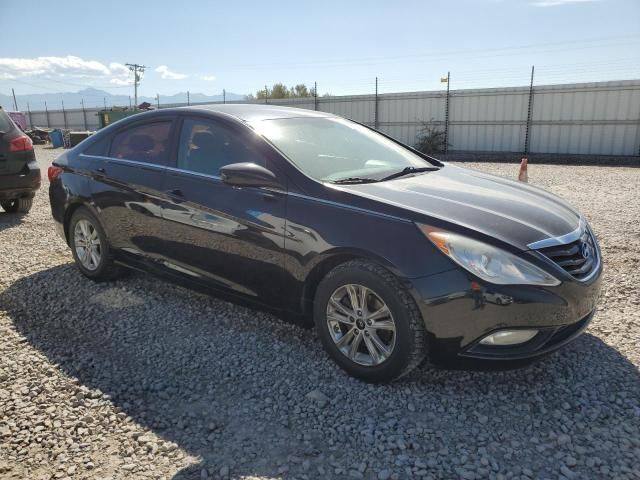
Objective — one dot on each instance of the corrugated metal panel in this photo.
(590, 118)
(360, 108)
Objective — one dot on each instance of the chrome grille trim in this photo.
(580, 257)
(562, 239)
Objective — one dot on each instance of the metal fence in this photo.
(600, 118)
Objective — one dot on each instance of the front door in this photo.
(228, 237)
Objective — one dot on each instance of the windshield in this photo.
(332, 149)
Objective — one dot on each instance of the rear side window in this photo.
(6, 124)
(206, 146)
(99, 147)
(147, 143)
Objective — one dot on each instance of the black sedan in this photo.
(394, 254)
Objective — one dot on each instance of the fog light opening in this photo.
(509, 337)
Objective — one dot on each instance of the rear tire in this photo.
(19, 205)
(391, 344)
(90, 247)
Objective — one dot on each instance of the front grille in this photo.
(578, 258)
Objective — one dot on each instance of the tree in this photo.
(300, 91)
(280, 90)
(431, 139)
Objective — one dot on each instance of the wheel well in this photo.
(317, 274)
(67, 217)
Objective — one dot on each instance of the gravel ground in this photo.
(142, 379)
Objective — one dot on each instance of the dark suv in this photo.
(19, 171)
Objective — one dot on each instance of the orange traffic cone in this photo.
(523, 176)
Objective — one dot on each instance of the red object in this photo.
(54, 172)
(523, 175)
(19, 119)
(20, 144)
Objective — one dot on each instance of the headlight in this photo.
(487, 262)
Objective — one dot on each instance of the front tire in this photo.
(90, 247)
(19, 205)
(368, 322)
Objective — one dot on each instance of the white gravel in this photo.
(142, 379)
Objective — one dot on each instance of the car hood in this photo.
(511, 211)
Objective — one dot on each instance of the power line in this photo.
(484, 52)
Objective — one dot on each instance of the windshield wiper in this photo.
(353, 180)
(409, 171)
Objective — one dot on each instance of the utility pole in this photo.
(15, 102)
(224, 96)
(158, 100)
(266, 94)
(137, 71)
(188, 98)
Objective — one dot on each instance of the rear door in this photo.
(231, 238)
(128, 185)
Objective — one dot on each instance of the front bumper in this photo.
(21, 185)
(546, 341)
(459, 311)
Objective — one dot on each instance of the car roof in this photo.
(255, 112)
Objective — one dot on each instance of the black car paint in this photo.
(273, 245)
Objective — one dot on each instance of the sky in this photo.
(208, 46)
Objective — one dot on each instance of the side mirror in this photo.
(247, 174)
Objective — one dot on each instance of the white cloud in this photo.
(120, 82)
(68, 65)
(118, 68)
(208, 78)
(63, 67)
(167, 74)
(557, 3)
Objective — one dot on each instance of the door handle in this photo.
(269, 195)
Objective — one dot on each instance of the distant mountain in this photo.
(97, 98)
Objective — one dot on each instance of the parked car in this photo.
(19, 171)
(389, 250)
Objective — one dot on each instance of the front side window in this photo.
(206, 146)
(331, 149)
(147, 143)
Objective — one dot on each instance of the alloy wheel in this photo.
(361, 324)
(87, 244)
